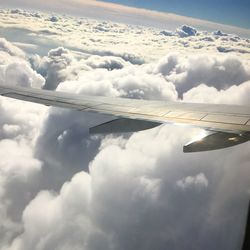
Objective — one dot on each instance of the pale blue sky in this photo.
(232, 12)
(227, 12)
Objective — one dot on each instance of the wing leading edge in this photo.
(135, 115)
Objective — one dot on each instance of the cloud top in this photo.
(64, 189)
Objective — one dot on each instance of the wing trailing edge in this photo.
(123, 125)
(230, 123)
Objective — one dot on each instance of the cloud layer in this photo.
(119, 13)
(64, 189)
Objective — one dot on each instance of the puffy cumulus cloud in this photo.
(20, 74)
(149, 196)
(135, 44)
(24, 13)
(58, 218)
(230, 49)
(107, 62)
(199, 181)
(132, 82)
(19, 127)
(65, 141)
(129, 57)
(185, 31)
(135, 186)
(17, 158)
(167, 33)
(15, 70)
(9, 48)
(233, 95)
(20, 123)
(61, 65)
(187, 72)
(54, 19)
(17, 167)
(219, 33)
(55, 67)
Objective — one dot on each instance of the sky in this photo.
(225, 12)
(229, 12)
(61, 188)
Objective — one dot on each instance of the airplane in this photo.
(228, 125)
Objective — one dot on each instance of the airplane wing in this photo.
(230, 124)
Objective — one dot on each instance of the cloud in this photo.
(219, 33)
(167, 33)
(108, 62)
(20, 74)
(14, 68)
(61, 217)
(199, 181)
(18, 166)
(84, 36)
(16, 159)
(185, 31)
(146, 202)
(54, 19)
(186, 73)
(132, 82)
(229, 49)
(7, 47)
(124, 14)
(62, 188)
(233, 95)
(55, 67)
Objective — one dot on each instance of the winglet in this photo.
(215, 141)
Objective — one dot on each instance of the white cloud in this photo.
(216, 71)
(231, 49)
(121, 13)
(199, 181)
(14, 69)
(20, 74)
(55, 67)
(137, 184)
(108, 62)
(146, 202)
(51, 217)
(233, 95)
(16, 159)
(185, 31)
(7, 47)
(131, 82)
(119, 40)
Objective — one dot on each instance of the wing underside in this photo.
(134, 115)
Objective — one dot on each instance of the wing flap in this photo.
(122, 125)
(241, 120)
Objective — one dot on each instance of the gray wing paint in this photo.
(144, 114)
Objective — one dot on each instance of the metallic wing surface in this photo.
(230, 123)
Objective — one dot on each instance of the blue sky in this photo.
(230, 12)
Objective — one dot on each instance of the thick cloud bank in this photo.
(61, 188)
